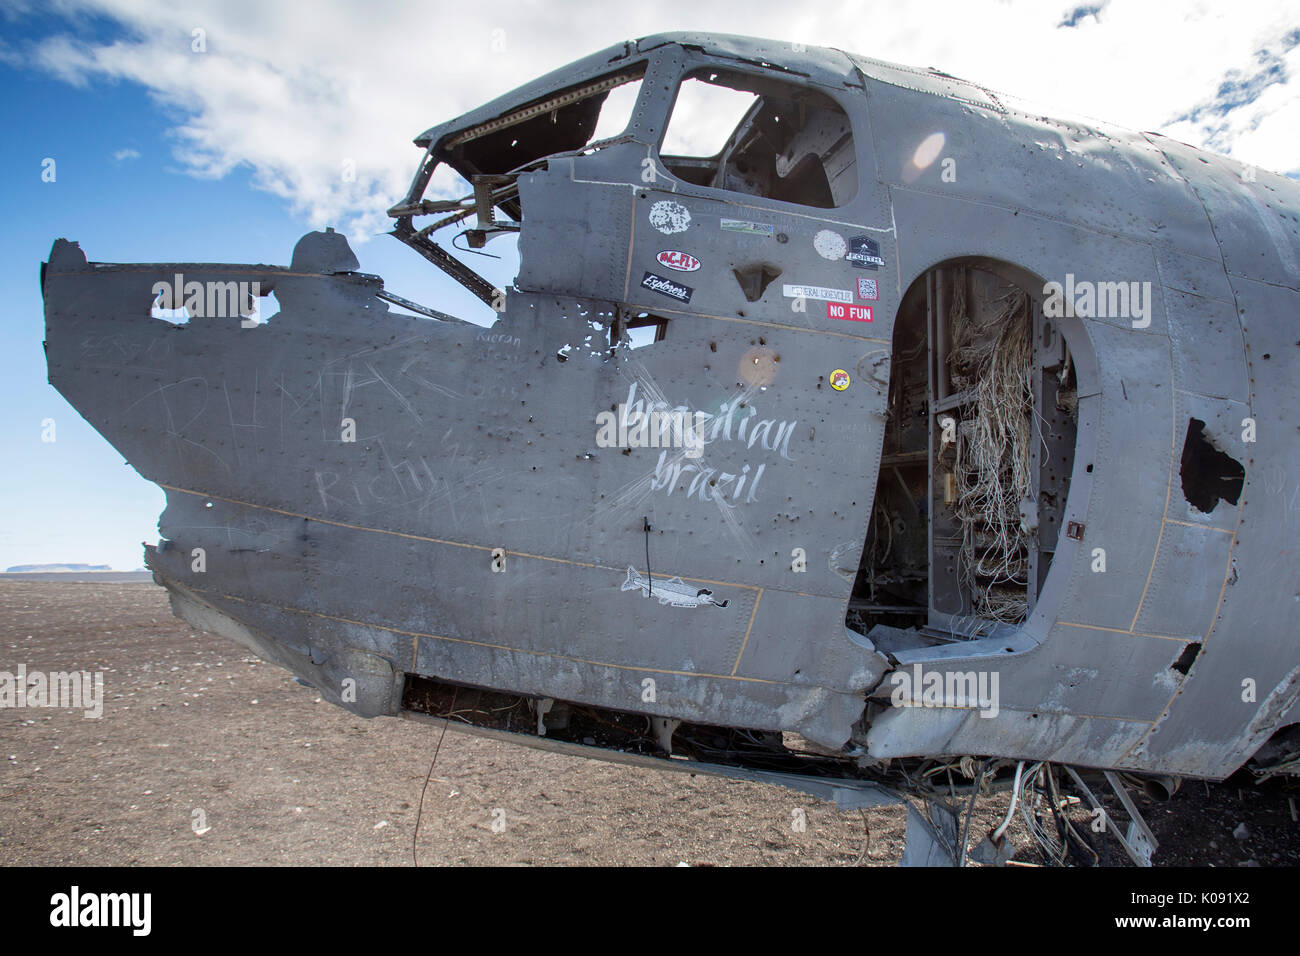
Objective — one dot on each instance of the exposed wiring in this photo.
(476, 252)
(1015, 794)
(1029, 812)
(1058, 804)
(993, 361)
(970, 809)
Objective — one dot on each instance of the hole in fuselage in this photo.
(1185, 659)
(1208, 474)
(977, 457)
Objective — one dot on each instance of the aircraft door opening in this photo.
(978, 451)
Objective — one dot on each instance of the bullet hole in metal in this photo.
(1185, 659)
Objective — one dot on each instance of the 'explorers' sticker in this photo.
(864, 253)
(855, 313)
(839, 380)
(668, 287)
(817, 292)
(829, 245)
(681, 261)
(751, 228)
(670, 217)
(867, 288)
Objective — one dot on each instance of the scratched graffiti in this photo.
(1277, 482)
(736, 421)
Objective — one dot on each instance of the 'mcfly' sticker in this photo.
(681, 261)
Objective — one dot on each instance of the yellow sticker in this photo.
(839, 380)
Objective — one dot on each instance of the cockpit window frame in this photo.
(758, 82)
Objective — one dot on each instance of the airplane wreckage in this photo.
(912, 443)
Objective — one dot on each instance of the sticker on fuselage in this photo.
(854, 313)
(666, 286)
(681, 261)
(749, 228)
(830, 245)
(670, 217)
(672, 591)
(817, 292)
(839, 380)
(864, 253)
(867, 289)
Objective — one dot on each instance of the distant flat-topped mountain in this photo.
(24, 568)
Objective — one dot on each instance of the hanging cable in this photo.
(1015, 794)
(429, 776)
(649, 581)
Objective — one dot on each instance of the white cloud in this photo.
(299, 93)
(124, 154)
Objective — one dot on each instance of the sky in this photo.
(223, 131)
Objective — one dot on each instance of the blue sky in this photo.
(230, 154)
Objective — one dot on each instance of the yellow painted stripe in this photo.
(752, 614)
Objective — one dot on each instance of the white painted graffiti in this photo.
(737, 421)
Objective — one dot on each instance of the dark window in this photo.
(782, 141)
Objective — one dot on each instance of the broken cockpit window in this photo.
(491, 155)
(784, 142)
(562, 123)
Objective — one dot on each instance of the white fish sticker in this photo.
(672, 591)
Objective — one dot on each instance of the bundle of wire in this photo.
(993, 359)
